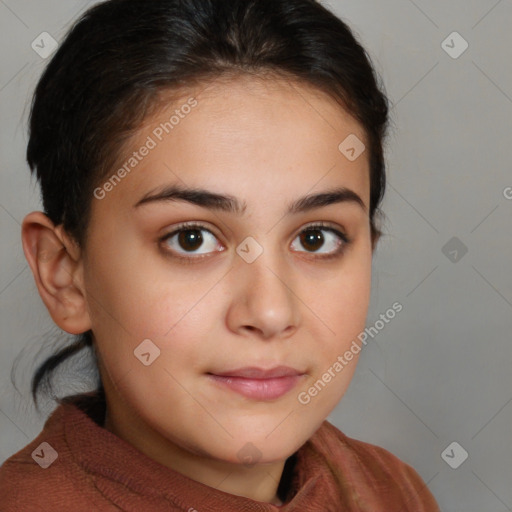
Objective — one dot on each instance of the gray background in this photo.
(440, 371)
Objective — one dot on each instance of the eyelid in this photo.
(205, 226)
(200, 225)
(340, 232)
(191, 224)
(328, 226)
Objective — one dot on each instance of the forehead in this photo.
(249, 137)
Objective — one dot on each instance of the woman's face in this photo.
(249, 287)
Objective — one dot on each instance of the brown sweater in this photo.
(94, 470)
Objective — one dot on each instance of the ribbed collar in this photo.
(124, 475)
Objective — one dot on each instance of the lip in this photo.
(259, 383)
(254, 372)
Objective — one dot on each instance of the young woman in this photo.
(211, 174)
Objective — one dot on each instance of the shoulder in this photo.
(42, 475)
(374, 473)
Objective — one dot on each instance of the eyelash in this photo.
(320, 226)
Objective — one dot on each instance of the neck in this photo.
(259, 482)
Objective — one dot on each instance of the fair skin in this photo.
(267, 143)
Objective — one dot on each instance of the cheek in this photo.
(127, 291)
(351, 305)
(342, 305)
(343, 300)
(168, 309)
(345, 318)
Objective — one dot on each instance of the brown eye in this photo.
(194, 240)
(190, 239)
(312, 239)
(316, 237)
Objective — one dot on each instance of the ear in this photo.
(57, 266)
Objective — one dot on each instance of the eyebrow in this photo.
(230, 204)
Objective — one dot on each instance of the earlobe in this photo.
(55, 261)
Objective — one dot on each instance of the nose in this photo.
(264, 302)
